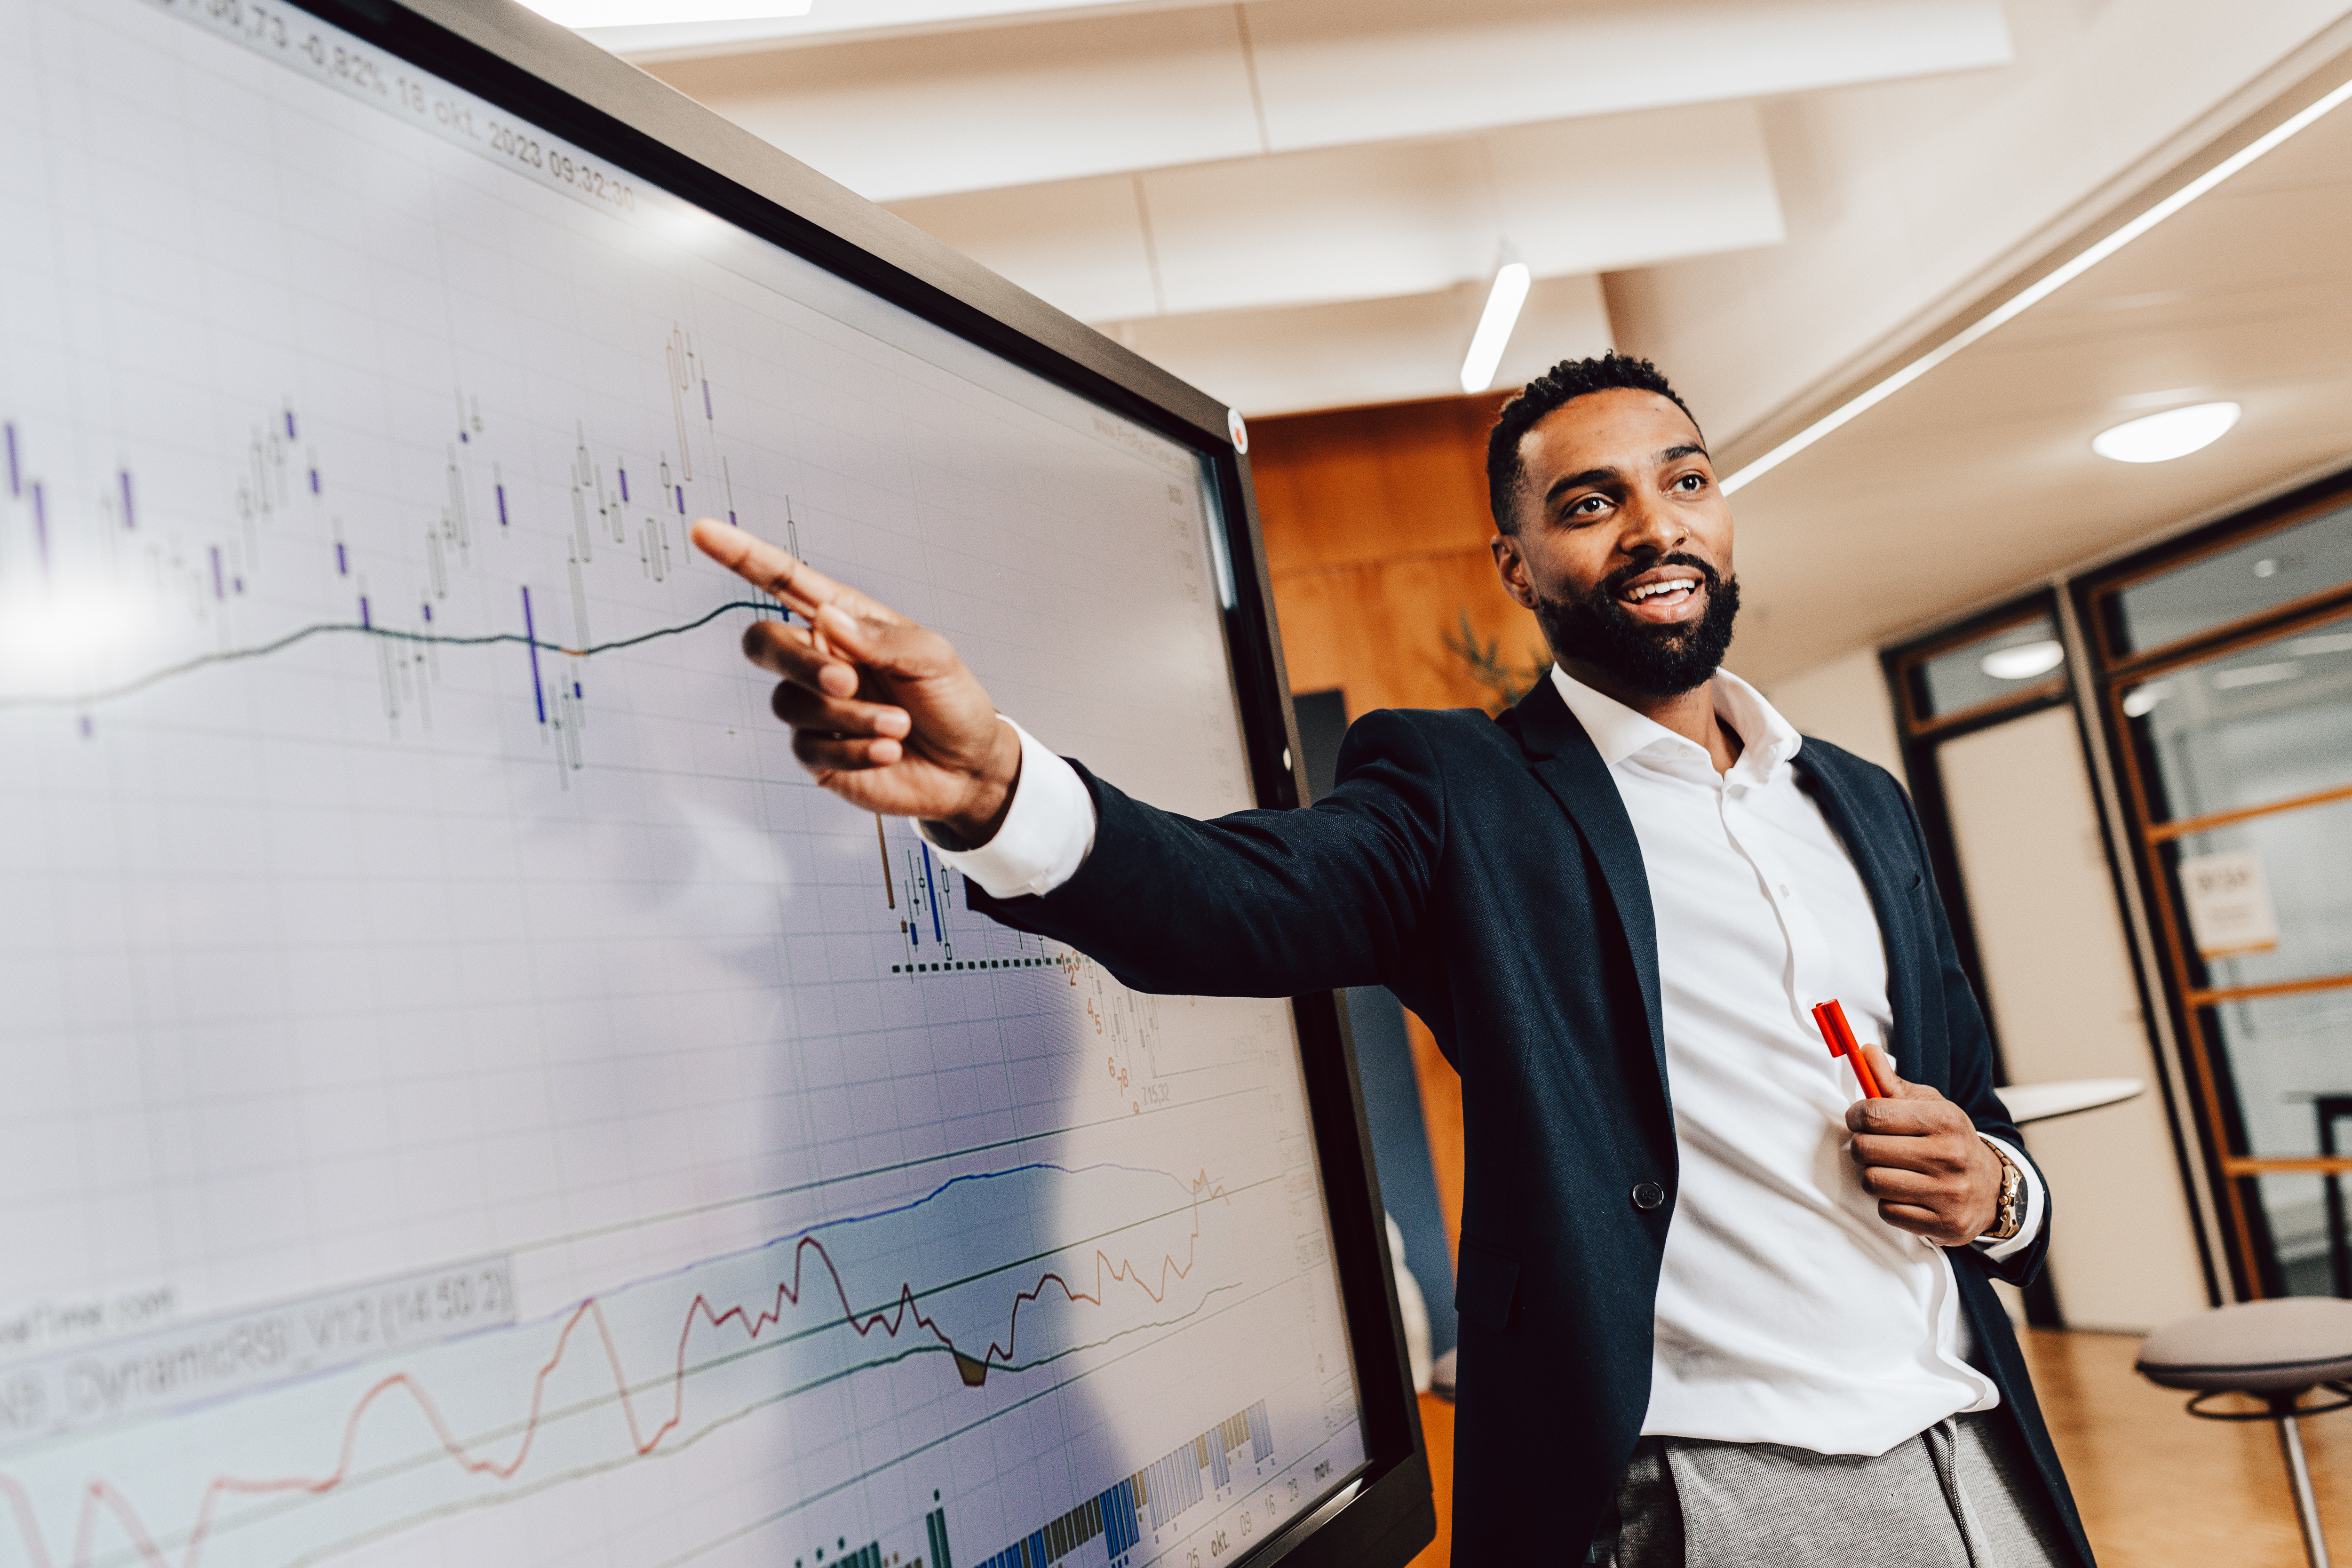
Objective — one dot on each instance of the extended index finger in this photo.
(784, 576)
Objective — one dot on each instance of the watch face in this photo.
(2012, 1185)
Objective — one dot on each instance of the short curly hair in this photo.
(1571, 378)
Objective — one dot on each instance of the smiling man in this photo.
(1714, 1310)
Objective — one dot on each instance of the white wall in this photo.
(2058, 974)
(1844, 700)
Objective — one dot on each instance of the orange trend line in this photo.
(103, 1493)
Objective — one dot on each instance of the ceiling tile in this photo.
(1371, 351)
(840, 21)
(933, 113)
(1355, 222)
(1334, 71)
(1631, 190)
(1001, 105)
(1076, 244)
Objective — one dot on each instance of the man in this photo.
(1714, 1310)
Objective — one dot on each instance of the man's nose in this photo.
(1651, 527)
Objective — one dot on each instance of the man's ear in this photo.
(1513, 566)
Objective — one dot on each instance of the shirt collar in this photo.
(1768, 741)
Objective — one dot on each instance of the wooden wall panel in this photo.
(1376, 529)
(1364, 485)
(1376, 536)
(1378, 631)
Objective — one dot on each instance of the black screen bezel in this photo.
(1384, 1513)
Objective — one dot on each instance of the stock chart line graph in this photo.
(368, 628)
(107, 574)
(653, 1411)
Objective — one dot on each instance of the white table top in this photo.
(2040, 1102)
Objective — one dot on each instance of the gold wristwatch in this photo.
(2008, 1210)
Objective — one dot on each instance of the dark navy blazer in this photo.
(1488, 873)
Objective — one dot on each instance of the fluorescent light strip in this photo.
(1494, 334)
(2033, 293)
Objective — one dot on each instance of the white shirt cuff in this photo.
(2035, 1204)
(1046, 835)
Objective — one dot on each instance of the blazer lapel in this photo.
(1564, 757)
(1888, 880)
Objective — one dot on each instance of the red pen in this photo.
(1834, 1029)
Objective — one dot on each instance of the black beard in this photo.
(1657, 661)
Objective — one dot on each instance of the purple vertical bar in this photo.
(625, 484)
(342, 561)
(218, 590)
(428, 615)
(364, 619)
(290, 425)
(730, 520)
(706, 399)
(129, 518)
(576, 689)
(40, 521)
(314, 481)
(681, 499)
(530, 637)
(932, 896)
(502, 506)
(237, 583)
(15, 481)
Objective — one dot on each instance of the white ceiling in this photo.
(834, 22)
(1367, 222)
(1297, 204)
(1283, 200)
(1978, 479)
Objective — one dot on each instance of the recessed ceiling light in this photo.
(2160, 437)
(2024, 661)
(636, 13)
(1494, 334)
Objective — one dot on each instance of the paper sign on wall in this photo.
(2228, 904)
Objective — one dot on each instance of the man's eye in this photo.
(1692, 481)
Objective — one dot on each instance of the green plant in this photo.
(1509, 682)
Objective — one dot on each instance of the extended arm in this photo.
(1258, 903)
(1262, 903)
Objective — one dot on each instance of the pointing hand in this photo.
(883, 713)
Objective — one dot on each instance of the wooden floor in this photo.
(2158, 1488)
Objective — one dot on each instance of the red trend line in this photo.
(103, 1494)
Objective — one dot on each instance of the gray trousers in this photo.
(1962, 1494)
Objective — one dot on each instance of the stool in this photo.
(2277, 1352)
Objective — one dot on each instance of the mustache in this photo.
(1616, 582)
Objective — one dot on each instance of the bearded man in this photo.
(1715, 1310)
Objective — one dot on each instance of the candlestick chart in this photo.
(466, 1094)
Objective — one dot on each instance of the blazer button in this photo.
(1648, 1195)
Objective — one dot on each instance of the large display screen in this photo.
(466, 1095)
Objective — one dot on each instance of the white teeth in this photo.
(1651, 590)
